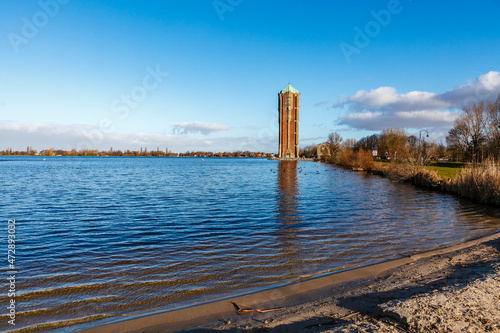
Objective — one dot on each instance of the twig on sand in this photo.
(349, 315)
(239, 310)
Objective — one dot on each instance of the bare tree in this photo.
(469, 132)
(368, 142)
(493, 128)
(349, 143)
(309, 151)
(394, 141)
(334, 142)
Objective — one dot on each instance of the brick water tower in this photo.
(289, 109)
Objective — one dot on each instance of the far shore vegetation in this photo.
(130, 153)
(467, 166)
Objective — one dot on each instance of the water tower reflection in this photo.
(288, 212)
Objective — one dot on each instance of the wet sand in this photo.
(456, 289)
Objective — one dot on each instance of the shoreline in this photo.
(301, 299)
(478, 185)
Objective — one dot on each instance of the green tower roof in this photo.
(289, 88)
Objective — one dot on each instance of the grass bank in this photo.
(480, 183)
(446, 169)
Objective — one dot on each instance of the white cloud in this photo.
(376, 121)
(198, 127)
(384, 107)
(484, 88)
(325, 102)
(364, 115)
(18, 136)
(387, 99)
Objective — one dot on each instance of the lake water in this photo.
(114, 237)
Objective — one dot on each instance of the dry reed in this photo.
(361, 159)
(480, 183)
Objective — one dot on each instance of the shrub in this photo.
(345, 157)
(361, 159)
(479, 182)
(365, 159)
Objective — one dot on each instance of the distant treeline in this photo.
(142, 152)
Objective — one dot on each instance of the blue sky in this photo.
(204, 75)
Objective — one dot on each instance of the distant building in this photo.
(289, 109)
(323, 151)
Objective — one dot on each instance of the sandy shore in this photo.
(456, 289)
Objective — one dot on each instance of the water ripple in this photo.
(103, 237)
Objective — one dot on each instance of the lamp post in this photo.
(499, 150)
(420, 144)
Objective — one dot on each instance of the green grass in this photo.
(456, 165)
(446, 169)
